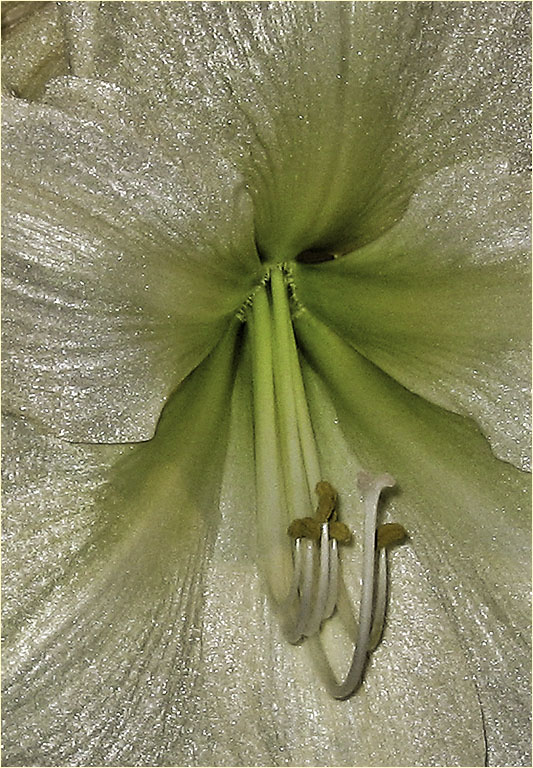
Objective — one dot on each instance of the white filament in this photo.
(317, 590)
(318, 613)
(294, 628)
(333, 585)
(297, 572)
(380, 603)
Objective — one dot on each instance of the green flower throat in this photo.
(305, 580)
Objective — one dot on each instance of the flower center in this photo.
(304, 579)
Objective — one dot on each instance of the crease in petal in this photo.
(34, 48)
(122, 269)
(112, 647)
(441, 302)
(467, 514)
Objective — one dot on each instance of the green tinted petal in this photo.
(154, 641)
(127, 674)
(467, 515)
(103, 601)
(333, 111)
(122, 267)
(441, 302)
(34, 49)
(266, 694)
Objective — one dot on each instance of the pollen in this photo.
(305, 528)
(311, 527)
(327, 501)
(389, 534)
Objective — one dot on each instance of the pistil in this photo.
(304, 579)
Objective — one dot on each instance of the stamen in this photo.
(295, 630)
(287, 471)
(380, 603)
(331, 601)
(297, 572)
(327, 501)
(322, 591)
(390, 534)
(371, 490)
(297, 489)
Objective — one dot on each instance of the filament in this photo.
(331, 601)
(306, 586)
(380, 601)
(322, 588)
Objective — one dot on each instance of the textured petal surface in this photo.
(467, 515)
(103, 598)
(153, 645)
(121, 267)
(442, 301)
(375, 93)
(34, 48)
(132, 636)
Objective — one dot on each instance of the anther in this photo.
(340, 532)
(311, 527)
(389, 534)
(327, 501)
(305, 528)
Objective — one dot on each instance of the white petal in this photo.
(375, 94)
(103, 602)
(122, 268)
(441, 301)
(467, 515)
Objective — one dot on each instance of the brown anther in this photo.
(327, 501)
(311, 527)
(340, 532)
(389, 534)
(305, 527)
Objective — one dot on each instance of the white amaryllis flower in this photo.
(249, 247)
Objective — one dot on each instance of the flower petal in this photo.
(441, 302)
(102, 603)
(467, 515)
(266, 693)
(122, 267)
(377, 94)
(34, 49)
(123, 665)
